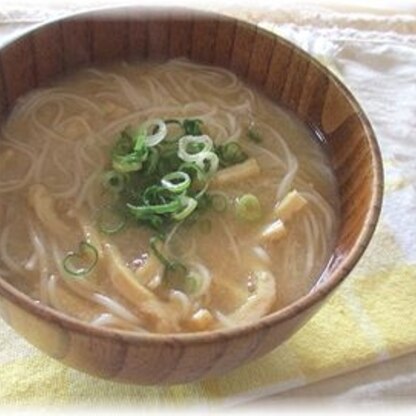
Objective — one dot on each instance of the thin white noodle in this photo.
(107, 319)
(115, 307)
(82, 193)
(42, 264)
(309, 255)
(52, 295)
(32, 262)
(231, 239)
(183, 302)
(128, 89)
(16, 184)
(204, 276)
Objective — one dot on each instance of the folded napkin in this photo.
(371, 316)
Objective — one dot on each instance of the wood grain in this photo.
(224, 41)
(260, 58)
(49, 53)
(283, 72)
(109, 39)
(312, 99)
(243, 44)
(19, 69)
(180, 44)
(294, 81)
(158, 35)
(77, 47)
(203, 40)
(137, 37)
(3, 99)
(277, 70)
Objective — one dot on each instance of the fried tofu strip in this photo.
(258, 303)
(273, 232)
(291, 203)
(201, 320)
(165, 314)
(236, 173)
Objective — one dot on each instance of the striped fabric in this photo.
(371, 317)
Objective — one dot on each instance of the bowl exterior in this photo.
(146, 362)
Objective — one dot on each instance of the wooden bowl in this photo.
(290, 77)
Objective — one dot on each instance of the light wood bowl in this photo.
(290, 77)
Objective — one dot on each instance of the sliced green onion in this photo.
(114, 181)
(130, 151)
(218, 201)
(155, 195)
(144, 211)
(153, 221)
(129, 163)
(192, 283)
(110, 220)
(231, 153)
(188, 206)
(192, 127)
(176, 182)
(199, 144)
(152, 160)
(81, 263)
(208, 162)
(161, 173)
(124, 144)
(155, 250)
(175, 275)
(194, 171)
(159, 135)
(253, 135)
(139, 140)
(248, 208)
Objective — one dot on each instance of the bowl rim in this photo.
(309, 300)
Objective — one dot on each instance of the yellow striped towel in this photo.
(371, 317)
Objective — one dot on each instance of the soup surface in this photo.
(163, 198)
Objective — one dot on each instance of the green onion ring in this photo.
(113, 181)
(142, 211)
(105, 225)
(189, 167)
(152, 160)
(185, 141)
(84, 249)
(212, 159)
(156, 138)
(248, 207)
(176, 182)
(219, 202)
(188, 206)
